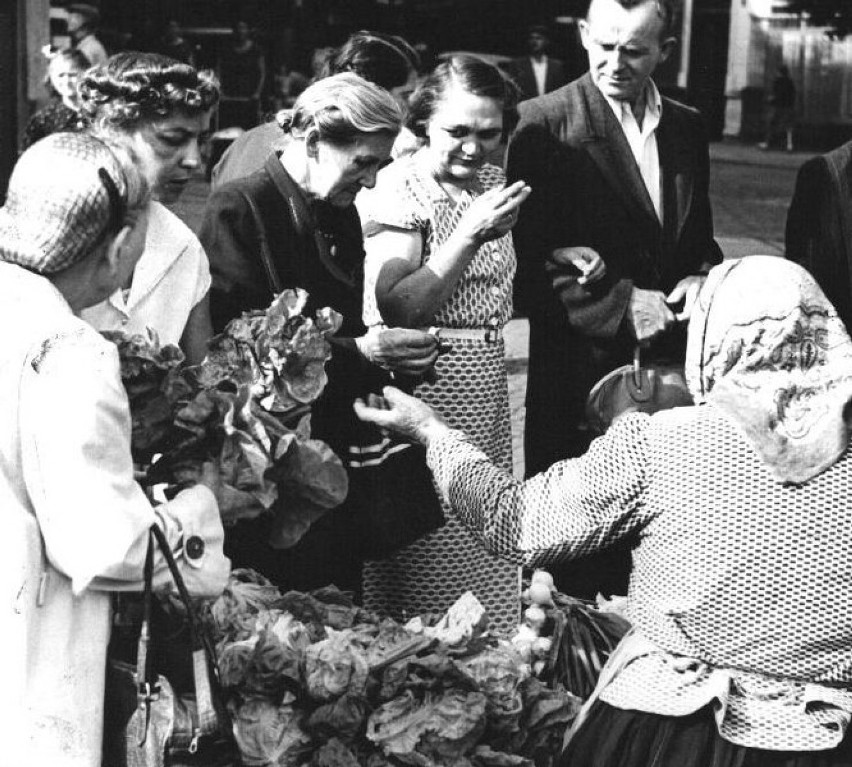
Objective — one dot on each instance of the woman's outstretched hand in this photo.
(402, 414)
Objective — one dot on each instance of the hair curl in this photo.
(473, 75)
(386, 60)
(341, 107)
(132, 88)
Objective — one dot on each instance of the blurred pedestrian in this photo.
(83, 23)
(173, 44)
(242, 72)
(781, 110)
(62, 114)
(538, 72)
(161, 108)
(287, 86)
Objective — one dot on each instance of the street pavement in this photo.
(750, 191)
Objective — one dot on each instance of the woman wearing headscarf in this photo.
(293, 224)
(741, 590)
(160, 108)
(75, 523)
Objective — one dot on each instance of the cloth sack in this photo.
(645, 388)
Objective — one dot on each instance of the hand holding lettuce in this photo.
(247, 407)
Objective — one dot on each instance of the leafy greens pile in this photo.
(247, 407)
(313, 679)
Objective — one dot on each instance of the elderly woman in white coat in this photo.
(75, 523)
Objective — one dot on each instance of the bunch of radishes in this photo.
(566, 640)
(529, 640)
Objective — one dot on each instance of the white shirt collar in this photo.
(653, 106)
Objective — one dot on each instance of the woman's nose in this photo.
(192, 155)
(368, 180)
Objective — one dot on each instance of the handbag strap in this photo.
(147, 689)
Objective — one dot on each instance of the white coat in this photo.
(74, 524)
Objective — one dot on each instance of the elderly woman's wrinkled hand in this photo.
(402, 414)
(403, 350)
(493, 213)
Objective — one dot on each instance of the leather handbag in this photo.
(635, 388)
(147, 721)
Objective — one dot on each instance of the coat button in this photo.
(194, 547)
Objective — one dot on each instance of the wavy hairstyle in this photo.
(386, 60)
(472, 74)
(341, 107)
(131, 88)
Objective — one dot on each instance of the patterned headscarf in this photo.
(768, 349)
(65, 192)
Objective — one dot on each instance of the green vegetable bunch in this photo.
(247, 407)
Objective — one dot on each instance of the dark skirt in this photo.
(612, 737)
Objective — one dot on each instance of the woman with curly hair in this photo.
(159, 108)
(62, 114)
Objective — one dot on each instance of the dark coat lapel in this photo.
(677, 173)
(841, 168)
(608, 148)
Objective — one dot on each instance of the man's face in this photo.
(75, 22)
(625, 46)
(537, 42)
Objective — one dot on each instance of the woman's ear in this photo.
(115, 248)
(312, 139)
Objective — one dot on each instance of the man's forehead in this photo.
(642, 20)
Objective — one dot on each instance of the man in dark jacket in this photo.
(537, 73)
(819, 225)
(617, 169)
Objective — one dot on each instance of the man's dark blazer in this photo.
(522, 73)
(587, 190)
(819, 225)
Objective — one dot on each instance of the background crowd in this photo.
(426, 203)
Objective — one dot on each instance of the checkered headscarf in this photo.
(59, 204)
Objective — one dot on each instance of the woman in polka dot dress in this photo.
(439, 254)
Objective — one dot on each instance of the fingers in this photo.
(677, 294)
(378, 416)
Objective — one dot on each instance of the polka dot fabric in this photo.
(749, 576)
(406, 196)
(471, 393)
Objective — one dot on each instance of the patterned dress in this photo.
(471, 393)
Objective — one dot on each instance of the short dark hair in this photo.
(665, 10)
(386, 60)
(473, 74)
(132, 87)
